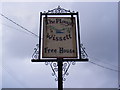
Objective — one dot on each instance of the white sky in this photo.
(99, 30)
(60, 0)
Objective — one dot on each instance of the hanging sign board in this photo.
(59, 37)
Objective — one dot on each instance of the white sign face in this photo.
(59, 37)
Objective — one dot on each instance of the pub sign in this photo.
(59, 37)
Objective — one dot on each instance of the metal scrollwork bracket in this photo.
(36, 52)
(65, 67)
(83, 52)
(59, 10)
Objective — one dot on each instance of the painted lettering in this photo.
(48, 50)
(59, 20)
(63, 50)
(55, 38)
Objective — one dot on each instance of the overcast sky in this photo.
(99, 34)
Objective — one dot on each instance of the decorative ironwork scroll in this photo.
(36, 52)
(54, 67)
(59, 10)
(83, 52)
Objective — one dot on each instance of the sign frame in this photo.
(64, 40)
(77, 32)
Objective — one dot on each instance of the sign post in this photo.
(60, 78)
(60, 42)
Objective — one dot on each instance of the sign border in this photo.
(76, 53)
(68, 13)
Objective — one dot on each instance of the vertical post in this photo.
(40, 36)
(60, 78)
(78, 35)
